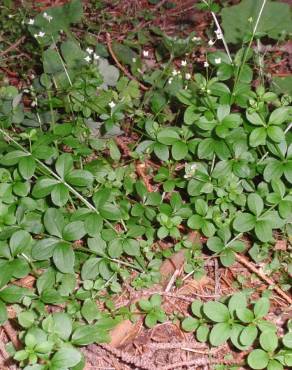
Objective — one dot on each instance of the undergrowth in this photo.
(82, 211)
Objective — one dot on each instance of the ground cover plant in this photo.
(136, 167)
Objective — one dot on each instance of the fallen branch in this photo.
(121, 67)
(265, 278)
(12, 335)
(12, 46)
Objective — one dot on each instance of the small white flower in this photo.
(30, 22)
(33, 104)
(87, 59)
(217, 60)
(211, 42)
(47, 17)
(95, 56)
(196, 38)
(35, 35)
(206, 64)
(183, 63)
(170, 80)
(188, 76)
(26, 91)
(112, 104)
(175, 72)
(10, 16)
(89, 51)
(145, 53)
(41, 34)
(219, 34)
(134, 60)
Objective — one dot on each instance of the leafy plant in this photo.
(153, 310)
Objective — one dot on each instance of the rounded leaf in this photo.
(258, 359)
(216, 311)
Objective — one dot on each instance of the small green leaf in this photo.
(269, 341)
(179, 150)
(64, 258)
(27, 167)
(216, 311)
(190, 324)
(74, 231)
(258, 359)
(248, 335)
(258, 137)
(244, 222)
(220, 333)
(261, 307)
(255, 204)
(65, 357)
(287, 340)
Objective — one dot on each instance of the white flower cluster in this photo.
(91, 55)
(40, 34)
(190, 170)
(47, 17)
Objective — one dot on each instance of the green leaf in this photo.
(255, 119)
(202, 333)
(220, 333)
(131, 247)
(79, 178)
(11, 158)
(64, 258)
(65, 357)
(275, 365)
(26, 319)
(145, 305)
(237, 19)
(27, 166)
(161, 151)
(20, 241)
(258, 359)
(150, 320)
(87, 334)
(248, 335)
(279, 115)
(244, 222)
(227, 257)
(237, 300)
(156, 300)
(62, 325)
(90, 269)
(195, 222)
(179, 150)
(245, 315)
(64, 165)
(54, 222)
(263, 230)
(258, 137)
(110, 212)
(287, 340)
(13, 294)
(216, 311)
(190, 324)
(115, 248)
(276, 133)
(3, 313)
(90, 310)
(43, 249)
(74, 231)
(255, 204)
(269, 341)
(43, 187)
(60, 195)
(261, 307)
(215, 244)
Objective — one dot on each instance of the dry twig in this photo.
(121, 67)
(269, 281)
(12, 46)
